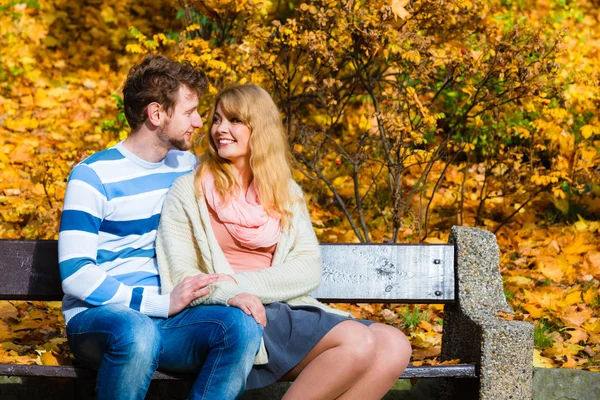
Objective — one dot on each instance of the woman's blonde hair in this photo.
(270, 157)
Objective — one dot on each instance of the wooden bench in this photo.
(496, 355)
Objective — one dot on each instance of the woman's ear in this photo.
(154, 113)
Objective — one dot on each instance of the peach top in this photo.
(240, 258)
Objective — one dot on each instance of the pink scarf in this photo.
(243, 216)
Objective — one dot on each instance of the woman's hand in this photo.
(251, 305)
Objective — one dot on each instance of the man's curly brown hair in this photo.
(158, 79)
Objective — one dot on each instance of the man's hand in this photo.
(251, 305)
(190, 289)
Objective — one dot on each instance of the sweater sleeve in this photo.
(298, 275)
(82, 278)
(179, 248)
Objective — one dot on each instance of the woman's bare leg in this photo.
(337, 362)
(393, 355)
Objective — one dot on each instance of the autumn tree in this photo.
(374, 93)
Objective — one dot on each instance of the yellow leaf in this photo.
(586, 226)
(592, 262)
(399, 10)
(426, 325)
(21, 125)
(423, 340)
(573, 298)
(594, 328)
(25, 325)
(588, 130)
(518, 280)
(572, 362)
(545, 299)
(577, 335)
(38, 190)
(550, 268)
(42, 100)
(22, 154)
(556, 350)
(8, 310)
(574, 348)
(590, 295)
(533, 310)
(48, 358)
(434, 240)
(36, 32)
(541, 361)
(594, 338)
(579, 246)
(573, 316)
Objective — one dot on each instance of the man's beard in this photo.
(178, 143)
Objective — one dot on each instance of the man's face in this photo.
(178, 128)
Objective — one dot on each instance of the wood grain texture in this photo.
(387, 273)
(29, 270)
(351, 272)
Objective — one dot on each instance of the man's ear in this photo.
(155, 114)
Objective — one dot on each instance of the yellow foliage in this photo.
(60, 78)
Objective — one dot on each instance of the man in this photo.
(117, 320)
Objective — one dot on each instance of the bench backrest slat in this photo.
(29, 270)
(351, 273)
(387, 273)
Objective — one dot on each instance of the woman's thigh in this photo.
(349, 333)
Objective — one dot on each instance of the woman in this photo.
(242, 216)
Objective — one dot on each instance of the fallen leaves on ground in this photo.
(33, 333)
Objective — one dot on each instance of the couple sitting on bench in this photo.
(219, 287)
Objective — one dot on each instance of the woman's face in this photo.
(231, 137)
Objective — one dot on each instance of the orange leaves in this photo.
(561, 289)
(32, 333)
(21, 124)
(50, 112)
(552, 268)
(577, 335)
(420, 323)
(575, 316)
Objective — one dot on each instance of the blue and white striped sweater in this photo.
(108, 229)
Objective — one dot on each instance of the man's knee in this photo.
(137, 336)
(242, 329)
(114, 331)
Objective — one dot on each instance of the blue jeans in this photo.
(217, 343)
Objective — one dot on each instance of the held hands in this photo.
(191, 288)
(251, 305)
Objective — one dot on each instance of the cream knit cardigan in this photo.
(186, 246)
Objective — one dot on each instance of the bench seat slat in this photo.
(47, 371)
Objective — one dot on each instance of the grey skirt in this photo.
(290, 334)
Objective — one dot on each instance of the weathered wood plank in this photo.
(351, 273)
(29, 270)
(64, 371)
(387, 273)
